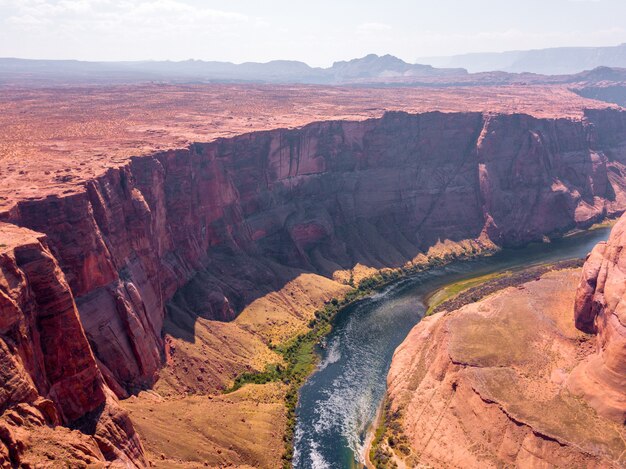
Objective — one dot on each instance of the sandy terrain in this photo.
(52, 140)
(198, 431)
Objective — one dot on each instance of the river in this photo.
(338, 403)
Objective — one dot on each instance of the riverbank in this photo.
(438, 300)
(488, 385)
(606, 223)
(375, 435)
(300, 355)
(459, 294)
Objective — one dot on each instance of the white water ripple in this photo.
(349, 404)
(317, 460)
(340, 400)
(333, 354)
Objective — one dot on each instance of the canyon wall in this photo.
(198, 226)
(49, 375)
(599, 310)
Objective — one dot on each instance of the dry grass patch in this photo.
(238, 428)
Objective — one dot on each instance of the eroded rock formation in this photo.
(601, 379)
(321, 198)
(489, 385)
(221, 217)
(49, 375)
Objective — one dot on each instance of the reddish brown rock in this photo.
(322, 198)
(28, 440)
(216, 225)
(40, 320)
(601, 379)
(486, 386)
(54, 139)
(48, 374)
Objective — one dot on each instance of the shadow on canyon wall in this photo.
(217, 225)
(615, 94)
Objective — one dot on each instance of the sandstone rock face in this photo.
(321, 198)
(206, 227)
(487, 386)
(49, 375)
(601, 379)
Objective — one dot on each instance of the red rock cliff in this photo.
(489, 386)
(600, 310)
(320, 198)
(48, 372)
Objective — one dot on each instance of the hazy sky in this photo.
(315, 31)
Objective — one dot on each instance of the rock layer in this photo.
(49, 374)
(601, 379)
(488, 385)
(321, 198)
(223, 217)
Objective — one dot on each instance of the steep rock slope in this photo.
(488, 385)
(49, 375)
(210, 229)
(321, 198)
(601, 379)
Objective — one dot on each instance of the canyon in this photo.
(553, 395)
(146, 263)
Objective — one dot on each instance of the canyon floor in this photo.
(245, 427)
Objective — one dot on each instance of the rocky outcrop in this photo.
(49, 375)
(488, 386)
(610, 93)
(321, 198)
(599, 310)
(199, 226)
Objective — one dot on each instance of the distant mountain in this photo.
(184, 71)
(554, 61)
(387, 66)
(369, 68)
(372, 69)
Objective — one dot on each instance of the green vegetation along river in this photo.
(338, 403)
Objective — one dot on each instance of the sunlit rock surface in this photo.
(489, 385)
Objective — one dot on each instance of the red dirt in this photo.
(52, 140)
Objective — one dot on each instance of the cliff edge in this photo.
(516, 378)
(489, 385)
(49, 376)
(149, 252)
(600, 310)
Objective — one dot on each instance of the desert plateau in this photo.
(377, 263)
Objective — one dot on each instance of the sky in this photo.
(317, 32)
